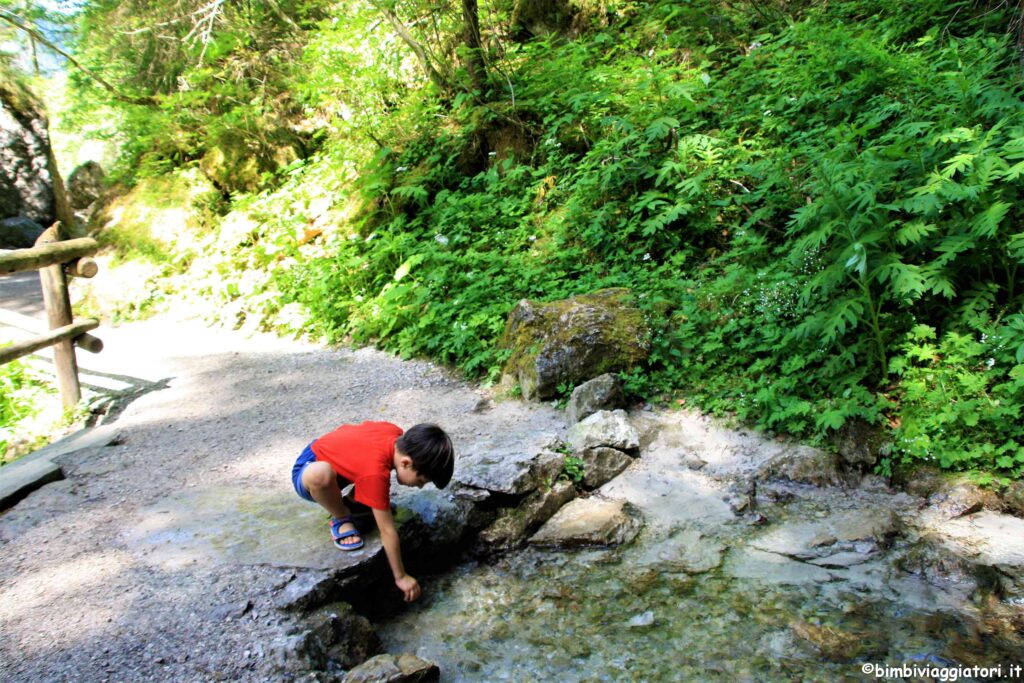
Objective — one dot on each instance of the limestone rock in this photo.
(600, 393)
(572, 340)
(761, 566)
(1013, 498)
(687, 551)
(305, 590)
(302, 651)
(992, 541)
(434, 525)
(957, 498)
(532, 18)
(19, 233)
(741, 496)
(860, 532)
(601, 465)
(507, 468)
(26, 180)
(860, 444)
(387, 668)
(804, 464)
(922, 481)
(85, 184)
(590, 522)
(694, 462)
(351, 639)
(334, 632)
(236, 161)
(604, 428)
(511, 528)
(941, 567)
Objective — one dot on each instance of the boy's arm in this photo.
(409, 586)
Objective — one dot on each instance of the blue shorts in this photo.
(307, 456)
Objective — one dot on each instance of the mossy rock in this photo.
(569, 341)
(236, 163)
(158, 213)
(232, 165)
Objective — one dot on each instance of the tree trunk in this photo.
(474, 55)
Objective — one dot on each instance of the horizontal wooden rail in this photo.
(18, 260)
(72, 331)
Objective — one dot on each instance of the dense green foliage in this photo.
(819, 208)
(21, 393)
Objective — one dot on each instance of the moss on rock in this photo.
(572, 340)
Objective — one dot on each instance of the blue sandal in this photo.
(339, 535)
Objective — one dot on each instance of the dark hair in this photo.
(431, 451)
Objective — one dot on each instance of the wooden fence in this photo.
(56, 259)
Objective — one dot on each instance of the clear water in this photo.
(596, 616)
(635, 614)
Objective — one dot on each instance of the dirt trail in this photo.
(141, 564)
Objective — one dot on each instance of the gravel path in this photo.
(82, 598)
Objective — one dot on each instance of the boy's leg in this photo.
(322, 483)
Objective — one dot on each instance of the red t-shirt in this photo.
(363, 454)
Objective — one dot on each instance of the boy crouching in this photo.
(364, 455)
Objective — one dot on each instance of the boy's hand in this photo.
(409, 586)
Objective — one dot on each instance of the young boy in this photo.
(364, 455)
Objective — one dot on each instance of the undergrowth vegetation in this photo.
(819, 209)
(23, 393)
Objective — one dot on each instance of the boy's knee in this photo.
(318, 475)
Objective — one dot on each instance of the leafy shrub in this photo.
(21, 394)
(816, 204)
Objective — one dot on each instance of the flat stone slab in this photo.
(849, 531)
(507, 466)
(765, 567)
(590, 522)
(669, 496)
(988, 538)
(687, 551)
(243, 527)
(25, 475)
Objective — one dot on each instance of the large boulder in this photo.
(536, 18)
(19, 233)
(435, 525)
(26, 173)
(861, 444)
(333, 634)
(240, 163)
(1013, 498)
(572, 340)
(990, 543)
(841, 539)
(85, 184)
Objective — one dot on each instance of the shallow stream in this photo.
(816, 585)
(591, 616)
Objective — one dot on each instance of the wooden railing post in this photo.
(58, 312)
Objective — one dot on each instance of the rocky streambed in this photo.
(713, 555)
